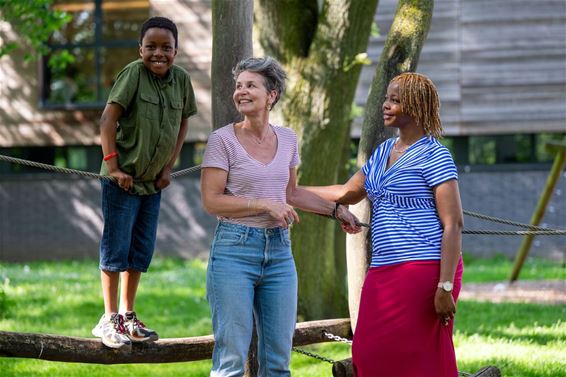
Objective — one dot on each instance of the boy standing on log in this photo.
(142, 130)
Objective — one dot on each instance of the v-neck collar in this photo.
(249, 155)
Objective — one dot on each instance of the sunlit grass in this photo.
(523, 340)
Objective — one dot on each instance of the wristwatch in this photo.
(446, 285)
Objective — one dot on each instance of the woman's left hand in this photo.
(444, 305)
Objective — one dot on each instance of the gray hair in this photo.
(273, 74)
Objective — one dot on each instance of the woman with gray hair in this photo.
(249, 181)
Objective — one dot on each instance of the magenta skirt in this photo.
(398, 333)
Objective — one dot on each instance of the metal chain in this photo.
(330, 336)
(313, 355)
(337, 338)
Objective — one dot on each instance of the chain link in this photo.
(313, 355)
(337, 338)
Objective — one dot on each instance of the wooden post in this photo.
(252, 366)
(557, 167)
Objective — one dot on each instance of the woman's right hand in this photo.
(348, 221)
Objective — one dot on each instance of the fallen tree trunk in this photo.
(85, 350)
(343, 368)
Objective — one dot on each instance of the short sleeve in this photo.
(125, 87)
(366, 168)
(440, 167)
(215, 154)
(190, 105)
(295, 160)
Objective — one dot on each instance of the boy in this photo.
(142, 130)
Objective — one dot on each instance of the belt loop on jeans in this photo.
(246, 232)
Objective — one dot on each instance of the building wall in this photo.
(47, 218)
(499, 65)
(23, 122)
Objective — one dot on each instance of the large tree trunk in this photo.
(232, 24)
(400, 54)
(320, 58)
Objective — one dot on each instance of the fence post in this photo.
(557, 168)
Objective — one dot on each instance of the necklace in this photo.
(400, 151)
(262, 139)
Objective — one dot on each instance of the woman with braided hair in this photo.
(408, 300)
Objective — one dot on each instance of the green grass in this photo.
(523, 340)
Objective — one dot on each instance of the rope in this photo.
(533, 229)
(81, 172)
(547, 232)
(504, 221)
(54, 168)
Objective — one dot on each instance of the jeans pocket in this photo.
(228, 238)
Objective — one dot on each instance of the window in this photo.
(102, 37)
(502, 149)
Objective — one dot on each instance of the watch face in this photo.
(447, 286)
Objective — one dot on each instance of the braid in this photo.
(419, 100)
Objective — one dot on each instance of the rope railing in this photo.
(532, 229)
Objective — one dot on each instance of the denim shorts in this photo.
(251, 274)
(130, 229)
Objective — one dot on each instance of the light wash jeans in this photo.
(251, 270)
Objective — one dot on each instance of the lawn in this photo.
(64, 298)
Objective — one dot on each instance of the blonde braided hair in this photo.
(419, 100)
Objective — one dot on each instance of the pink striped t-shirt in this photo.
(249, 178)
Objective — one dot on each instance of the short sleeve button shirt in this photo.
(405, 225)
(148, 128)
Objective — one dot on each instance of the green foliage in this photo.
(35, 21)
(525, 340)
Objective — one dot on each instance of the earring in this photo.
(268, 107)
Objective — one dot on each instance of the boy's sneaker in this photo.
(136, 330)
(112, 332)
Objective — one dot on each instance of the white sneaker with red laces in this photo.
(136, 330)
(110, 329)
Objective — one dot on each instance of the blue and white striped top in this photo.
(405, 225)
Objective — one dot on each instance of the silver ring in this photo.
(289, 220)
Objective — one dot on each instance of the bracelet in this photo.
(335, 210)
(110, 155)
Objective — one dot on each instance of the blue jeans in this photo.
(251, 270)
(130, 229)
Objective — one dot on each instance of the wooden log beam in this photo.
(344, 368)
(89, 350)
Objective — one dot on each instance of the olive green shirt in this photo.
(149, 126)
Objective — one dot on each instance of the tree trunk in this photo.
(323, 74)
(400, 54)
(90, 350)
(232, 24)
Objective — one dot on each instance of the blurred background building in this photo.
(500, 67)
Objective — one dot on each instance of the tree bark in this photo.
(89, 350)
(401, 53)
(232, 24)
(323, 74)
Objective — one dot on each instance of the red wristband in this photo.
(110, 155)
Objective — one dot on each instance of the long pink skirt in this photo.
(398, 333)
